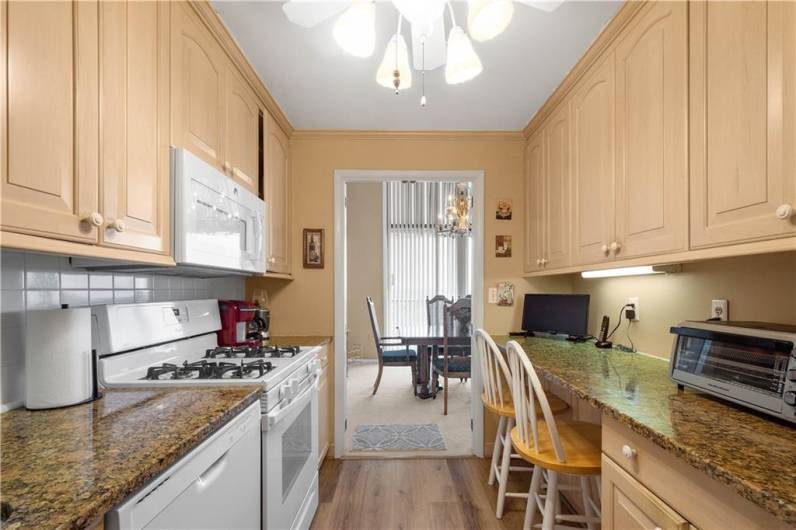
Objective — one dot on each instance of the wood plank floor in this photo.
(422, 494)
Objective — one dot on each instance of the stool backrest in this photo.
(494, 369)
(526, 389)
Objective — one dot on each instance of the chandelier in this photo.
(455, 221)
(355, 32)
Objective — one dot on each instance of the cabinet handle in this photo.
(117, 225)
(784, 211)
(616, 247)
(94, 219)
(605, 249)
(628, 452)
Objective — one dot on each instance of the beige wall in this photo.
(364, 249)
(758, 288)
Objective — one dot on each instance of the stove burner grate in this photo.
(253, 352)
(209, 370)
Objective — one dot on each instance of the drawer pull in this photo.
(628, 452)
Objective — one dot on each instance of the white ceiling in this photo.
(321, 87)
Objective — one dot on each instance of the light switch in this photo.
(493, 295)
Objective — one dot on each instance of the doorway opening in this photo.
(406, 278)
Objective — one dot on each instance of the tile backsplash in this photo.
(37, 281)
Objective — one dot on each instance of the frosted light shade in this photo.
(423, 13)
(355, 30)
(384, 75)
(463, 64)
(486, 19)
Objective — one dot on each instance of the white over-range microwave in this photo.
(218, 226)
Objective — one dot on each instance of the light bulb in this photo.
(355, 30)
(423, 101)
(462, 63)
(487, 19)
(384, 75)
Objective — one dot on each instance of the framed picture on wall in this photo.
(505, 294)
(503, 212)
(313, 248)
(502, 246)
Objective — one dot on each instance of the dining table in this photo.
(427, 342)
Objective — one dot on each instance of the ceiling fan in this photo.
(355, 28)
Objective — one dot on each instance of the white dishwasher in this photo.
(215, 486)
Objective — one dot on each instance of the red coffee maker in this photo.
(235, 318)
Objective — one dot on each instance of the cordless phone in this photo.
(602, 338)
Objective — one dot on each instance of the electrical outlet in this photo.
(719, 309)
(493, 295)
(634, 300)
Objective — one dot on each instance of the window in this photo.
(419, 263)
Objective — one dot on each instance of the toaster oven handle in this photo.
(781, 346)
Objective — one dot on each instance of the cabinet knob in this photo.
(94, 219)
(628, 452)
(117, 225)
(227, 166)
(616, 247)
(605, 249)
(272, 260)
(784, 211)
(544, 262)
(538, 261)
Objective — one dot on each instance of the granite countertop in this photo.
(298, 340)
(753, 455)
(64, 468)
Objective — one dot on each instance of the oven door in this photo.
(290, 459)
(218, 223)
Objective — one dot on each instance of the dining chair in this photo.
(390, 351)
(497, 399)
(455, 360)
(554, 447)
(434, 308)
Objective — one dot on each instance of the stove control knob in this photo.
(790, 398)
(287, 393)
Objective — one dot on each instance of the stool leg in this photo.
(585, 491)
(504, 467)
(551, 501)
(496, 449)
(530, 509)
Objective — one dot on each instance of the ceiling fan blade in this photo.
(435, 51)
(309, 13)
(544, 5)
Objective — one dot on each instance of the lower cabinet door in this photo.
(628, 505)
(324, 400)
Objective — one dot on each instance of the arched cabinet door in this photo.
(197, 98)
(277, 197)
(743, 121)
(593, 151)
(652, 132)
(534, 203)
(242, 147)
(557, 190)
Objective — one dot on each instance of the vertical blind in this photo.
(420, 264)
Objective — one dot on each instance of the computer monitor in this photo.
(566, 314)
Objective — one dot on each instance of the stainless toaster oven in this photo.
(749, 363)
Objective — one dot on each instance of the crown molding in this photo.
(363, 134)
(217, 27)
(596, 49)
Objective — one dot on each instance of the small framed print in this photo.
(505, 294)
(503, 212)
(502, 246)
(313, 248)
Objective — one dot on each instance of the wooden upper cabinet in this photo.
(593, 168)
(557, 190)
(198, 67)
(743, 120)
(534, 203)
(242, 146)
(652, 132)
(134, 96)
(277, 197)
(50, 113)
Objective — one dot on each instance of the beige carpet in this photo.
(395, 403)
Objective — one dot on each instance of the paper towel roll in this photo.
(58, 363)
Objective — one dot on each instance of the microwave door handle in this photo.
(259, 235)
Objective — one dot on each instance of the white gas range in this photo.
(174, 344)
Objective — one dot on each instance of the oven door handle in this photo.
(272, 418)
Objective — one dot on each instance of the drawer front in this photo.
(628, 505)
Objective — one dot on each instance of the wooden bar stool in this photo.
(554, 448)
(497, 398)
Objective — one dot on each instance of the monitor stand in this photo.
(577, 338)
